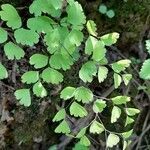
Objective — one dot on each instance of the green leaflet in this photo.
(147, 44)
(99, 106)
(50, 75)
(55, 39)
(112, 140)
(77, 110)
(85, 141)
(58, 61)
(99, 51)
(76, 15)
(115, 114)
(83, 94)
(96, 128)
(3, 35)
(78, 146)
(23, 95)
(9, 14)
(132, 111)
(145, 71)
(87, 71)
(38, 60)
(126, 78)
(102, 73)
(117, 80)
(129, 120)
(90, 45)
(39, 6)
(110, 38)
(75, 37)
(81, 133)
(118, 100)
(13, 51)
(60, 115)
(40, 24)
(91, 27)
(121, 65)
(57, 4)
(3, 72)
(39, 90)
(67, 93)
(63, 127)
(30, 77)
(26, 37)
(127, 134)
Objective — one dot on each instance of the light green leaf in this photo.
(45, 6)
(112, 140)
(26, 37)
(91, 27)
(118, 100)
(39, 90)
(83, 94)
(115, 114)
(147, 44)
(145, 71)
(55, 39)
(13, 51)
(30, 77)
(58, 61)
(102, 73)
(60, 115)
(126, 78)
(77, 110)
(102, 9)
(75, 37)
(9, 14)
(90, 45)
(129, 120)
(3, 35)
(96, 128)
(99, 51)
(110, 13)
(110, 39)
(125, 144)
(50, 75)
(38, 60)
(57, 4)
(99, 106)
(85, 141)
(78, 146)
(117, 80)
(87, 71)
(40, 24)
(81, 133)
(132, 111)
(104, 61)
(3, 72)
(127, 134)
(23, 95)
(63, 127)
(76, 15)
(121, 65)
(67, 93)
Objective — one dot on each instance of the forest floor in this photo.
(31, 128)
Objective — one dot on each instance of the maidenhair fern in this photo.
(62, 35)
(145, 71)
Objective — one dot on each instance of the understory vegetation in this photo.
(75, 75)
